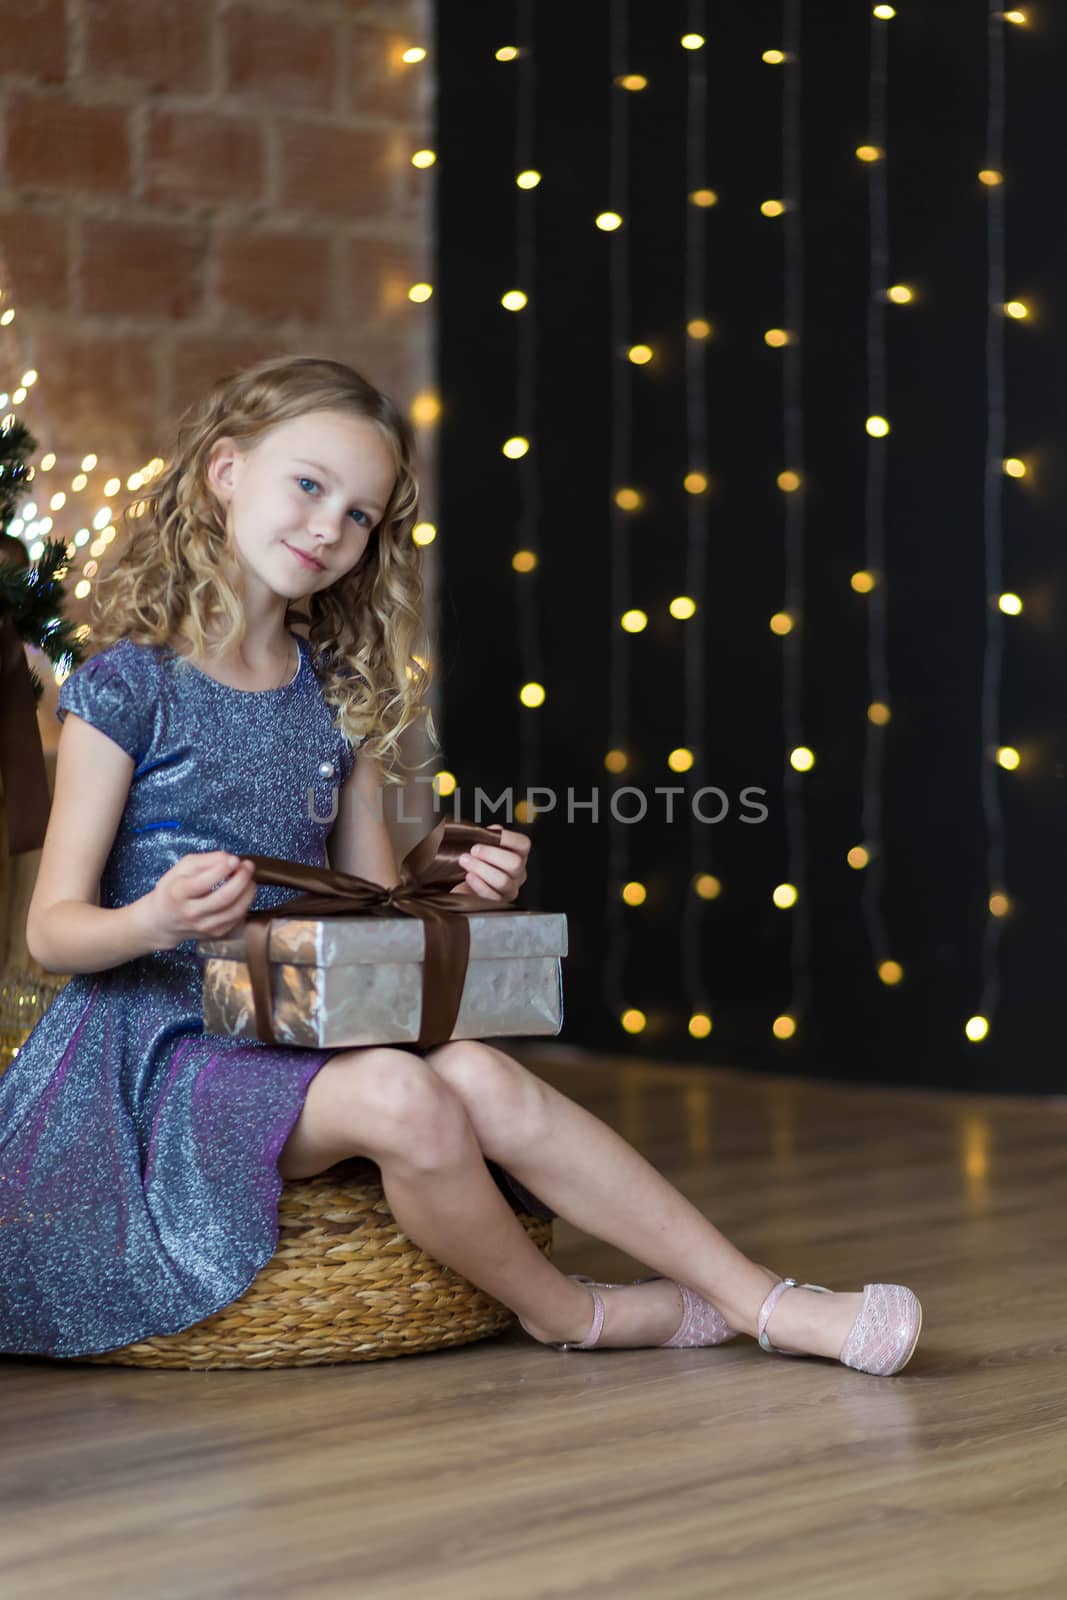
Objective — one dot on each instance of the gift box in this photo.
(358, 980)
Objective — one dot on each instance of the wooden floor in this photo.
(506, 1471)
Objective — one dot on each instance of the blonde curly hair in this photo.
(178, 577)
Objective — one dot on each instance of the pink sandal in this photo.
(883, 1337)
(701, 1323)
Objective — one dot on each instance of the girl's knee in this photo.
(501, 1097)
(398, 1107)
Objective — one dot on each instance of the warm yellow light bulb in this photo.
(1018, 310)
(425, 408)
(513, 300)
(772, 208)
(900, 294)
(890, 972)
(776, 338)
(1014, 467)
(634, 894)
(87, 464)
(784, 896)
(528, 180)
(707, 886)
(424, 533)
(423, 158)
(870, 152)
(82, 589)
(532, 695)
(634, 621)
(640, 354)
(884, 13)
(695, 483)
(878, 713)
(858, 858)
(524, 561)
(704, 198)
(608, 221)
(680, 760)
(444, 783)
(698, 328)
(515, 448)
(781, 623)
(802, 759)
(700, 1025)
(634, 81)
(1008, 757)
(78, 481)
(1010, 604)
(420, 292)
(692, 41)
(682, 607)
(976, 1029)
(789, 482)
(57, 502)
(863, 582)
(877, 427)
(112, 486)
(628, 499)
(774, 58)
(415, 53)
(999, 904)
(633, 1020)
(507, 52)
(784, 1027)
(1019, 18)
(616, 761)
(990, 177)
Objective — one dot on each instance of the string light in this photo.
(634, 81)
(423, 158)
(609, 221)
(640, 354)
(900, 294)
(789, 482)
(419, 292)
(870, 152)
(802, 759)
(773, 58)
(515, 448)
(507, 52)
(628, 499)
(616, 761)
(707, 886)
(695, 483)
(1010, 604)
(692, 41)
(532, 695)
(633, 1021)
(976, 1028)
(999, 905)
(1013, 467)
(1018, 310)
(700, 1025)
(776, 338)
(773, 208)
(634, 894)
(784, 1027)
(863, 582)
(414, 54)
(528, 179)
(1007, 757)
(990, 177)
(884, 13)
(698, 328)
(877, 427)
(424, 533)
(444, 783)
(784, 896)
(524, 561)
(781, 623)
(680, 760)
(634, 621)
(1019, 18)
(858, 858)
(878, 713)
(682, 607)
(704, 198)
(514, 300)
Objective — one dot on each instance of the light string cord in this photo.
(697, 507)
(620, 453)
(526, 591)
(875, 499)
(793, 429)
(992, 518)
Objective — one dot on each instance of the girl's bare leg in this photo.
(594, 1179)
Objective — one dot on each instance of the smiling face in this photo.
(302, 502)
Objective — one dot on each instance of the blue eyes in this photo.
(356, 512)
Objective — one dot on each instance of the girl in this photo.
(140, 1158)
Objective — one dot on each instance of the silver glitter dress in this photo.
(138, 1154)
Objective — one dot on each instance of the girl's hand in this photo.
(496, 872)
(185, 905)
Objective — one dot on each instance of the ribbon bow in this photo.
(22, 769)
(428, 874)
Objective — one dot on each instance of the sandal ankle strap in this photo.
(768, 1306)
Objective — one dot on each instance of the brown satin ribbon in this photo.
(26, 797)
(428, 874)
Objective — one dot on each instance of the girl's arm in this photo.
(67, 930)
(359, 842)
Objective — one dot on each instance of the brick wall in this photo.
(188, 185)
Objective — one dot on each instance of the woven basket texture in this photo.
(344, 1285)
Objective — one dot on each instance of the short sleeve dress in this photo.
(138, 1153)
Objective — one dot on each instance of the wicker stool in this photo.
(344, 1285)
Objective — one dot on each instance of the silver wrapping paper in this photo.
(343, 981)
